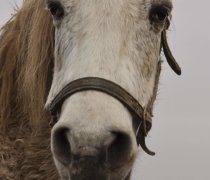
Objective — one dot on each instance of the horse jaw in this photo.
(112, 40)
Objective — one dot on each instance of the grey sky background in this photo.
(181, 126)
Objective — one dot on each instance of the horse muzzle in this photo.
(110, 148)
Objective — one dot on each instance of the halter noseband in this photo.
(143, 117)
(108, 87)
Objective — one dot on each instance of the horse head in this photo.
(94, 136)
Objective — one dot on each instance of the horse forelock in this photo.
(26, 59)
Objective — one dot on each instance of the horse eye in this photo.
(158, 14)
(56, 9)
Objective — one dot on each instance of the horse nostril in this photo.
(119, 150)
(60, 145)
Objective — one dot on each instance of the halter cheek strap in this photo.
(168, 54)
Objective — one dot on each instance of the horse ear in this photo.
(169, 56)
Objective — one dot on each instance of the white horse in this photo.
(118, 42)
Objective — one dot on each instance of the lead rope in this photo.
(144, 133)
(175, 67)
(145, 116)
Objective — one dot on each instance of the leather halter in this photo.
(142, 115)
(108, 87)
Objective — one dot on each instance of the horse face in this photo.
(118, 40)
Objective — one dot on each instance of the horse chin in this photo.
(90, 168)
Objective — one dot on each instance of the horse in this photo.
(78, 80)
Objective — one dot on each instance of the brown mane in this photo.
(26, 51)
(26, 56)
